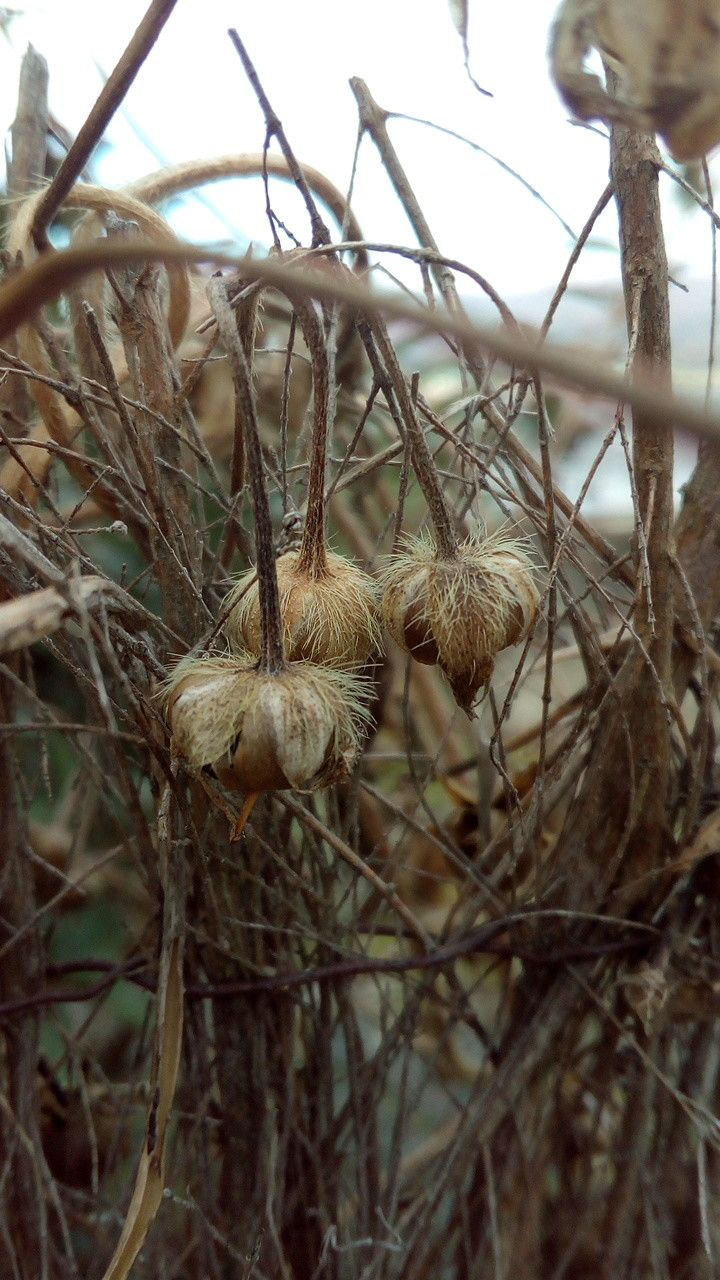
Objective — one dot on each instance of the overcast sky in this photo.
(191, 99)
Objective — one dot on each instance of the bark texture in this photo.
(620, 825)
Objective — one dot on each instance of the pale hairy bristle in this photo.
(205, 700)
(305, 715)
(332, 619)
(467, 609)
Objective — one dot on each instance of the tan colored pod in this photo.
(332, 617)
(299, 729)
(459, 613)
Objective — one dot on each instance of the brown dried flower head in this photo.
(668, 56)
(459, 613)
(331, 617)
(300, 729)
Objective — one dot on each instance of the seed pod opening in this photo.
(460, 613)
(300, 729)
(330, 617)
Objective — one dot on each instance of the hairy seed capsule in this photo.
(460, 613)
(301, 729)
(330, 618)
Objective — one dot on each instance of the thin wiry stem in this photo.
(272, 660)
(321, 235)
(313, 558)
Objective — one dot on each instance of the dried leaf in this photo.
(668, 56)
(32, 617)
(37, 615)
(460, 16)
(150, 1178)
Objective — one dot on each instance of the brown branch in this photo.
(479, 942)
(373, 119)
(26, 291)
(320, 233)
(29, 128)
(108, 101)
(620, 815)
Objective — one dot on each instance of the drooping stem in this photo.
(272, 657)
(313, 554)
(446, 542)
(25, 292)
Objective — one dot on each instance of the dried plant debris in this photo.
(668, 58)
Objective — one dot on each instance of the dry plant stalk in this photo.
(453, 1013)
(271, 724)
(329, 606)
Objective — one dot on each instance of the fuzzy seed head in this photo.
(332, 618)
(460, 613)
(300, 729)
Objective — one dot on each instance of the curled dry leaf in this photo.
(459, 613)
(299, 729)
(460, 17)
(328, 617)
(32, 617)
(668, 56)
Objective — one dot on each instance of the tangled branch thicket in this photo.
(305, 970)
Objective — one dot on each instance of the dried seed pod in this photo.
(301, 728)
(263, 724)
(669, 58)
(329, 617)
(328, 606)
(459, 612)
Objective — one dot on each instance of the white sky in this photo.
(191, 99)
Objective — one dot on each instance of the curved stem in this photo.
(272, 657)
